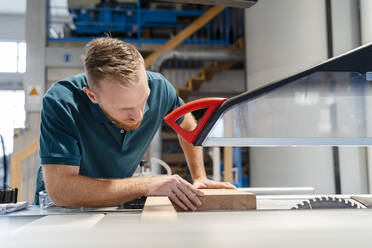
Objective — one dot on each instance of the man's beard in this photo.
(125, 126)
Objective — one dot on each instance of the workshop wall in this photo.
(283, 38)
(12, 27)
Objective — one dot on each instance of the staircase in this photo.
(185, 34)
(206, 73)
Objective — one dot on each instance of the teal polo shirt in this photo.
(75, 131)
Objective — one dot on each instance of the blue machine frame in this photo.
(130, 19)
(125, 18)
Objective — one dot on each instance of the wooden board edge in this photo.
(158, 208)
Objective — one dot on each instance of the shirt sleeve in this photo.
(174, 101)
(58, 134)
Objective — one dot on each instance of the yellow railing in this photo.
(206, 73)
(185, 34)
(23, 170)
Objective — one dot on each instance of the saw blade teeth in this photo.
(354, 205)
(301, 205)
(328, 202)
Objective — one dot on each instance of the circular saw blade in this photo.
(326, 203)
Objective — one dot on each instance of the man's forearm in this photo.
(194, 158)
(193, 154)
(67, 188)
(91, 192)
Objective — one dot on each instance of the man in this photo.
(96, 126)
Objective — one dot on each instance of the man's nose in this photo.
(136, 115)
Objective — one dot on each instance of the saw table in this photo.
(273, 224)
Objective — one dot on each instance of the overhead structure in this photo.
(227, 3)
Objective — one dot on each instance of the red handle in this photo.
(211, 104)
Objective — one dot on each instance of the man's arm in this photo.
(67, 188)
(195, 161)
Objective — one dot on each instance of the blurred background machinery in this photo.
(139, 21)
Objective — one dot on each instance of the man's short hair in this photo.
(111, 58)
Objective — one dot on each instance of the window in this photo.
(12, 115)
(21, 57)
(13, 57)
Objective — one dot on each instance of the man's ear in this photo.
(90, 94)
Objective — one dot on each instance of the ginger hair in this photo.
(112, 58)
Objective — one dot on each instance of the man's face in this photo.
(123, 105)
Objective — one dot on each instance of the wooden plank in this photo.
(22, 182)
(225, 199)
(16, 167)
(27, 152)
(32, 180)
(158, 208)
(228, 151)
(13, 172)
(228, 164)
(184, 34)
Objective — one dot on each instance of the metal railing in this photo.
(136, 24)
(188, 69)
(23, 171)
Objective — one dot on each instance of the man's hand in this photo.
(182, 193)
(205, 183)
(194, 158)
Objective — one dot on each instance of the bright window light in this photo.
(21, 57)
(8, 56)
(12, 114)
(13, 57)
